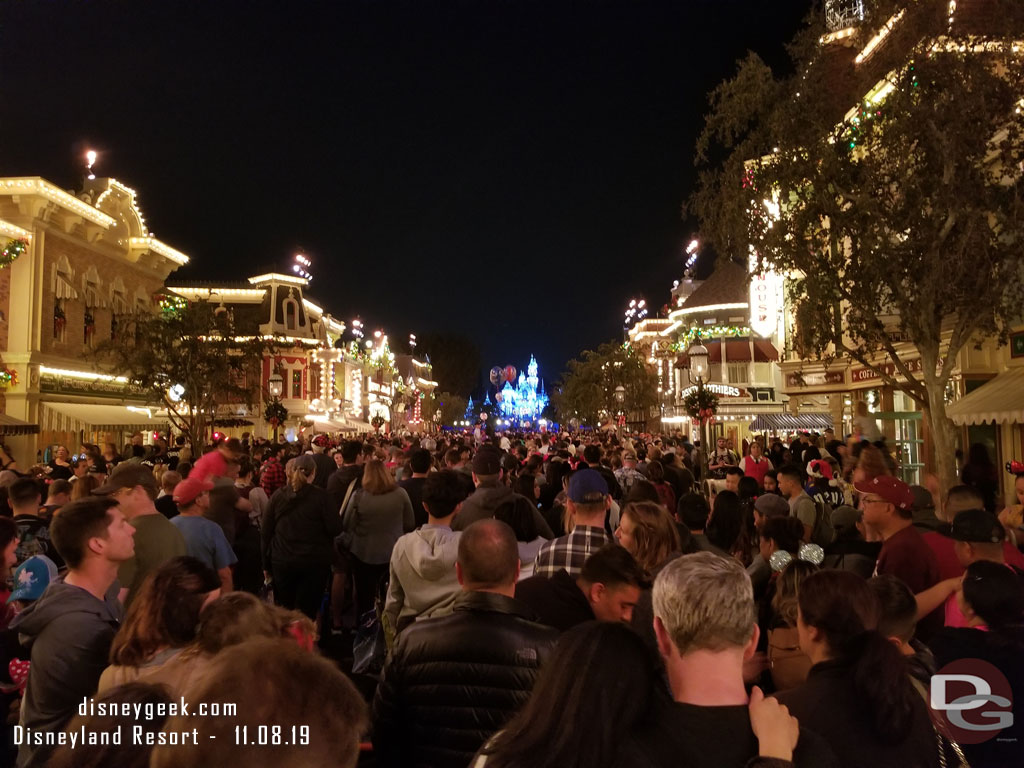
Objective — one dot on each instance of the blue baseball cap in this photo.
(32, 577)
(587, 486)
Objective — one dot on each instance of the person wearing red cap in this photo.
(888, 506)
(204, 539)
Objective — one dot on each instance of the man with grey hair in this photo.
(705, 623)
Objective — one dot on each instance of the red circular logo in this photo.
(973, 699)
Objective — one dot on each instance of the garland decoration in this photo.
(701, 404)
(275, 413)
(377, 422)
(12, 251)
(8, 378)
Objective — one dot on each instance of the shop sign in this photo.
(765, 300)
(794, 380)
(53, 383)
(719, 389)
(870, 374)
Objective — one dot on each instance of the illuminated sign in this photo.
(765, 300)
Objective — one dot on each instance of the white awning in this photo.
(109, 418)
(787, 422)
(1000, 400)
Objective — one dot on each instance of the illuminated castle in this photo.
(525, 402)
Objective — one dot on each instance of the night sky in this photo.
(509, 169)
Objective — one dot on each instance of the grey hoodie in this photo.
(68, 632)
(423, 582)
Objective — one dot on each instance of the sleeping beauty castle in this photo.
(523, 403)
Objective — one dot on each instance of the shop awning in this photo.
(12, 426)
(787, 422)
(110, 418)
(1000, 400)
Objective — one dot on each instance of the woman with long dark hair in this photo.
(858, 694)
(725, 526)
(574, 719)
(981, 474)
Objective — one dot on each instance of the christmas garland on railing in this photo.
(701, 404)
(12, 251)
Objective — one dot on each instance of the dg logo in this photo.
(974, 698)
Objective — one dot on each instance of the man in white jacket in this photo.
(423, 582)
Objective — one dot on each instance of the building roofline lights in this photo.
(83, 375)
(278, 278)
(671, 328)
(876, 41)
(158, 247)
(707, 308)
(839, 34)
(205, 293)
(34, 185)
(12, 230)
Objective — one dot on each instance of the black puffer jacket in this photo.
(453, 682)
(299, 527)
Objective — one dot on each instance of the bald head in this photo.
(488, 556)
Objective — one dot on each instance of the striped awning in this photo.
(100, 417)
(787, 422)
(12, 426)
(1000, 400)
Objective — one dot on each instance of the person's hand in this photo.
(777, 731)
(754, 666)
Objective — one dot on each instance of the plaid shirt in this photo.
(272, 477)
(569, 552)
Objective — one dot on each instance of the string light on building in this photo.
(301, 267)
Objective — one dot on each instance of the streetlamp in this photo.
(620, 398)
(698, 355)
(275, 385)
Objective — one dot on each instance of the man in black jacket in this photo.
(452, 682)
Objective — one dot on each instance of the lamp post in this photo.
(620, 398)
(275, 385)
(698, 355)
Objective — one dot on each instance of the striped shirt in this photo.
(569, 552)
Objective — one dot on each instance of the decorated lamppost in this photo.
(701, 403)
(275, 386)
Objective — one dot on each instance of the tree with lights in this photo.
(899, 223)
(190, 358)
(587, 388)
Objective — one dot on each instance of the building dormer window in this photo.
(291, 314)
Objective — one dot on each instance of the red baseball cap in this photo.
(895, 491)
(188, 490)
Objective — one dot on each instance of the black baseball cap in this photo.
(976, 525)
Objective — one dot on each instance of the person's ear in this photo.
(665, 644)
(595, 593)
(751, 647)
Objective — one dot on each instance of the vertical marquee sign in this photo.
(765, 300)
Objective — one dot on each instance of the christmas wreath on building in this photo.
(377, 422)
(275, 413)
(701, 404)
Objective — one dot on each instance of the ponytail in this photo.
(845, 610)
(303, 470)
(883, 686)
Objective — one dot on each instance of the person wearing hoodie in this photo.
(423, 582)
(490, 492)
(69, 630)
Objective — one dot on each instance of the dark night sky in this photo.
(508, 169)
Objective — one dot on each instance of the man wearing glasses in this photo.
(887, 504)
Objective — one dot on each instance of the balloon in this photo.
(510, 373)
(496, 376)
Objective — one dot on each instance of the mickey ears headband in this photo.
(1015, 467)
(810, 553)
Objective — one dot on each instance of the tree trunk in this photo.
(943, 442)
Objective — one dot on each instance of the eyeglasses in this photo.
(872, 500)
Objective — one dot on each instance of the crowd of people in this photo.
(510, 600)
